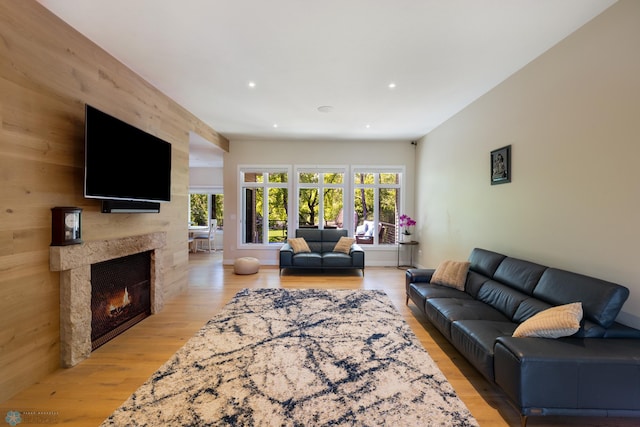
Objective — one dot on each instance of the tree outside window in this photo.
(205, 206)
(320, 199)
(199, 208)
(265, 200)
(376, 199)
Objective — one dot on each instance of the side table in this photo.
(411, 244)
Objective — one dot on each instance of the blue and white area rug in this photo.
(277, 357)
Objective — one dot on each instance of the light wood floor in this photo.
(87, 393)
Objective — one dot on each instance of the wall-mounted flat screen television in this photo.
(123, 162)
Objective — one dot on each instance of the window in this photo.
(376, 204)
(320, 197)
(198, 209)
(365, 200)
(204, 206)
(265, 199)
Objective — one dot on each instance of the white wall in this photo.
(572, 117)
(293, 153)
(205, 180)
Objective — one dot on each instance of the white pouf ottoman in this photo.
(246, 265)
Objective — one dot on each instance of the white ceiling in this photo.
(303, 54)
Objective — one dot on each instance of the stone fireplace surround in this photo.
(74, 264)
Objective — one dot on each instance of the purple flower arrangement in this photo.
(406, 222)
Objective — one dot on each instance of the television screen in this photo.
(123, 162)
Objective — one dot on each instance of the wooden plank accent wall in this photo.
(48, 71)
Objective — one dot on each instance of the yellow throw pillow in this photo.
(554, 322)
(344, 245)
(298, 245)
(451, 273)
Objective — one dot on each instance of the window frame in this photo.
(321, 186)
(265, 185)
(376, 186)
(349, 186)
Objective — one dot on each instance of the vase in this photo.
(405, 237)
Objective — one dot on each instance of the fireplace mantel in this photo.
(74, 264)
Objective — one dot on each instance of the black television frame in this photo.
(126, 167)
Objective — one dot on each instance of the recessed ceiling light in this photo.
(325, 108)
(392, 85)
(251, 84)
(368, 126)
(275, 125)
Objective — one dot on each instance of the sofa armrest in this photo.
(286, 256)
(357, 256)
(569, 376)
(419, 275)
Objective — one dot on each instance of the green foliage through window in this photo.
(199, 209)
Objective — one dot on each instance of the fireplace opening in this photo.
(120, 295)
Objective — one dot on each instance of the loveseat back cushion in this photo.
(330, 238)
(501, 297)
(519, 274)
(485, 262)
(601, 300)
(320, 241)
(312, 236)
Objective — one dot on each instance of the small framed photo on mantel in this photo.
(501, 165)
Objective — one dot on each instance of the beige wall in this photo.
(296, 153)
(205, 180)
(47, 73)
(572, 117)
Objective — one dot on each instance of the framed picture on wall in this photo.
(501, 165)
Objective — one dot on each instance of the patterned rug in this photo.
(277, 357)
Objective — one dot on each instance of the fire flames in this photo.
(118, 303)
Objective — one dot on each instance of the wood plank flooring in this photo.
(87, 393)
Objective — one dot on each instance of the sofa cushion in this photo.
(298, 245)
(420, 292)
(336, 260)
(529, 307)
(330, 237)
(444, 311)
(485, 262)
(429, 290)
(313, 237)
(451, 273)
(475, 339)
(344, 244)
(309, 234)
(519, 274)
(501, 297)
(307, 259)
(474, 283)
(601, 300)
(554, 322)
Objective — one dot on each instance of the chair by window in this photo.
(364, 233)
(208, 238)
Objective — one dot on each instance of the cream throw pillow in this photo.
(344, 245)
(554, 322)
(451, 273)
(298, 245)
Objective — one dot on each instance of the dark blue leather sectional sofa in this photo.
(595, 372)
